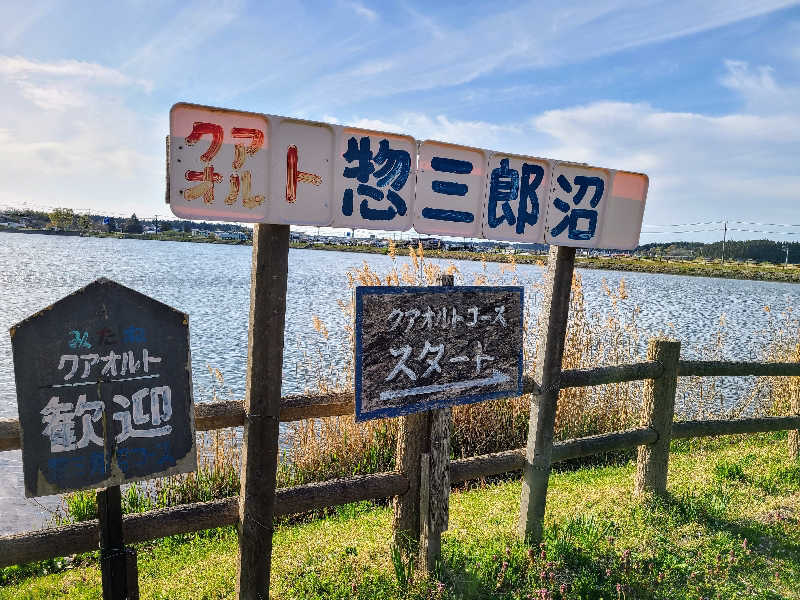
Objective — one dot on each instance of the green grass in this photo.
(730, 528)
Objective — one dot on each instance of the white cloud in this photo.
(758, 88)
(72, 140)
(363, 11)
(373, 67)
(701, 167)
(19, 68)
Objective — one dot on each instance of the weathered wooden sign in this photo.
(104, 390)
(419, 348)
(239, 166)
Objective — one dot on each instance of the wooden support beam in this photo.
(9, 434)
(412, 438)
(726, 368)
(83, 537)
(536, 473)
(573, 378)
(606, 442)
(714, 427)
(262, 406)
(114, 557)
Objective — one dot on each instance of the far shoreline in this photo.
(691, 268)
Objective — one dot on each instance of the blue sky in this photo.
(704, 97)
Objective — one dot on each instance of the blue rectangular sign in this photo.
(419, 348)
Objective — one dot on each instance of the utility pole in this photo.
(786, 247)
(724, 236)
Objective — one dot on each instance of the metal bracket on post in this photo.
(118, 566)
(539, 451)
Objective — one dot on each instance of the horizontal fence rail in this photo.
(711, 427)
(189, 518)
(230, 413)
(150, 525)
(719, 368)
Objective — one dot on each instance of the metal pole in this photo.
(724, 237)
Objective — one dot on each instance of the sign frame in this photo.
(291, 172)
(144, 412)
(421, 406)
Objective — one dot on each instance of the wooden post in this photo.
(262, 409)
(794, 409)
(423, 438)
(411, 442)
(436, 516)
(435, 469)
(538, 454)
(118, 576)
(659, 411)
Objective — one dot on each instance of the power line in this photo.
(683, 231)
(770, 232)
(764, 224)
(688, 224)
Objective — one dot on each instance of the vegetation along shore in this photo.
(762, 260)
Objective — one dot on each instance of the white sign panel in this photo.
(236, 166)
(516, 198)
(374, 180)
(451, 188)
(577, 203)
(302, 162)
(218, 164)
(623, 218)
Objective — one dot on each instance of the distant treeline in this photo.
(64, 218)
(67, 219)
(757, 250)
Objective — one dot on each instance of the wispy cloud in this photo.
(20, 17)
(72, 136)
(543, 34)
(363, 11)
(759, 89)
(20, 68)
(734, 165)
(187, 31)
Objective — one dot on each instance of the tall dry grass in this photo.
(337, 446)
(321, 449)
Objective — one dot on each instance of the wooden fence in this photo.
(652, 438)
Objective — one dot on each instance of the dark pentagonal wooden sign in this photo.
(104, 390)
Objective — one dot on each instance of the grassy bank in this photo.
(729, 529)
(697, 268)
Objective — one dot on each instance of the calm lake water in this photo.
(211, 283)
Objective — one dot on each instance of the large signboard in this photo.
(419, 348)
(104, 390)
(237, 166)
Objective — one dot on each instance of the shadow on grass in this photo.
(708, 510)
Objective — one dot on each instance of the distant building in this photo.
(231, 235)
